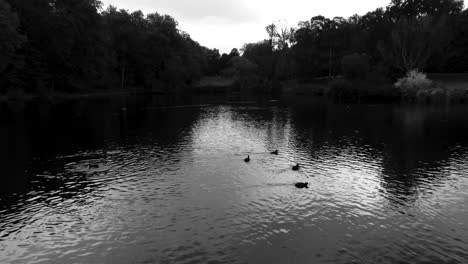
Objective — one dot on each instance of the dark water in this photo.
(129, 181)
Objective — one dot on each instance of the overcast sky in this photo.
(227, 24)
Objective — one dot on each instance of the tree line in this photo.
(75, 46)
(429, 35)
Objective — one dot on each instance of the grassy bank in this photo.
(341, 89)
(205, 85)
(213, 84)
(316, 87)
(214, 81)
(58, 96)
(445, 88)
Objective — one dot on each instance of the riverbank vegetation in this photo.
(77, 46)
(374, 57)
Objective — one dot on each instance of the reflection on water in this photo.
(129, 181)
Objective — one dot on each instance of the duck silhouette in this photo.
(295, 167)
(247, 159)
(302, 185)
(274, 152)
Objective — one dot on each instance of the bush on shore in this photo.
(416, 87)
(457, 95)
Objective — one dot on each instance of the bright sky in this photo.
(227, 24)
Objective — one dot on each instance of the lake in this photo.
(151, 180)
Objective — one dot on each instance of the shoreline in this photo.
(451, 87)
(67, 96)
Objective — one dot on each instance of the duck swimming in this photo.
(274, 152)
(302, 185)
(295, 167)
(247, 159)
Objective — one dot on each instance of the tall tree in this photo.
(10, 38)
(419, 8)
(413, 42)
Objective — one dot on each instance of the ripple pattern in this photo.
(184, 195)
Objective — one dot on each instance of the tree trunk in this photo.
(122, 77)
(330, 64)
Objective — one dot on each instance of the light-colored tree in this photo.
(281, 36)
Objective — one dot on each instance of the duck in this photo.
(247, 159)
(302, 185)
(295, 167)
(274, 152)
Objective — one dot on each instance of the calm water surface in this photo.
(133, 181)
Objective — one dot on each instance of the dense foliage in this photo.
(430, 35)
(74, 45)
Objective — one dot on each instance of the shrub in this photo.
(412, 84)
(458, 95)
(432, 95)
(355, 66)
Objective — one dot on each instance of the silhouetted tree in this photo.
(243, 71)
(261, 54)
(455, 57)
(10, 39)
(234, 53)
(413, 42)
(419, 8)
(280, 35)
(73, 46)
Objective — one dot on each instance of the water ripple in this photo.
(181, 193)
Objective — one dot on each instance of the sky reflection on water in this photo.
(387, 183)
